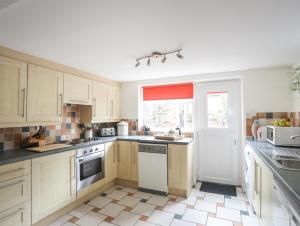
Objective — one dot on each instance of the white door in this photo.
(217, 109)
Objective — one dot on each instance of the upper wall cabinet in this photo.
(77, 90)
(45, 95)
(13, 88)
(100, 102)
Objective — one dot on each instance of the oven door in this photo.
(89, 169)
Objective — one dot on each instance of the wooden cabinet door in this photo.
(256, 186)
(13, 88)
(100, 102)
(77, 90)
(124, 160)
(134, 155)
(45, 94)
(177, 166)
(19, 215)
(113, 102)
(110, 162)
(53, 183)
(266, 211)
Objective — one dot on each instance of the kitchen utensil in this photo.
(88, 133)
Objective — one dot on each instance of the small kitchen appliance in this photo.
(283, 136)
(107, 132)
(123, 128)
(89, 165)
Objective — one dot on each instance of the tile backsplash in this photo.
(10, 138)
(268, 117)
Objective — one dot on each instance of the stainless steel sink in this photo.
(287, 160)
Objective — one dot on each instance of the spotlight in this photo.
(149, 61)
(164, 59)
(137, 63)
(179, 55)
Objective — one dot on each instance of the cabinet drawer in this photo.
(15, 170)
(16, 216)
(14, 192)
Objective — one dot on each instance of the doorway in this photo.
(218, 113)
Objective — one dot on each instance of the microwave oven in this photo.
(283, 136)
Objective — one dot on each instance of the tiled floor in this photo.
(126, 206)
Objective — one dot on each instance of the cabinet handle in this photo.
(81, 101)
(23, 101)
(118, 156)
(114, 153)
(72, 159)
(169, 158)
(12, 171)
(11, 214)
(111, 108)
(133, 154)
(61, 104)
(13, 184)
(94, 107)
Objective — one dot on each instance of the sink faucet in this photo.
(295, 136)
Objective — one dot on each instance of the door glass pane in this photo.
(90, 168)
(217, 110)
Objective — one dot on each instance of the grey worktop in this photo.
(16, 155)
(289, 179)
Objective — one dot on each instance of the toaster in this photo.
(107, 132)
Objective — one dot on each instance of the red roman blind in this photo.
(168, 92)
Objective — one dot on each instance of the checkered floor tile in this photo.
(125, 206)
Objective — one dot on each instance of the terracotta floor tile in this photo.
(159, 208)
(200, 224)
(96, 209)
(74, 219)
(128, 209)
(144, 218)
(238, 224)
(172, 199)
(190, 206)
(114, 201)
(109, 219)
(130, 194)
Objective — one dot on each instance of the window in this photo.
(217, 110)
(168, 114)
(167, 106)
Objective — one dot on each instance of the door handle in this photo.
(10, 185)
(114, 153)
(94, 107)
(61, 104)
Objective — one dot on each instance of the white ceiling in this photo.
(105, 37)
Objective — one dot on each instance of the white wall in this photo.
(264, 90)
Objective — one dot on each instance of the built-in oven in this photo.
(90, 165)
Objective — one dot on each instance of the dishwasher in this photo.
(153, 168)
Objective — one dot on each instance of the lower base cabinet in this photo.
(53, 183)
(19, 215)
(180, 169)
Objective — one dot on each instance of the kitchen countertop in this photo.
(289, 179)
(16, 155)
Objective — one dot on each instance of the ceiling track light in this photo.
(157, 55)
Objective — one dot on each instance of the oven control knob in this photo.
(84, 152)
(91, 150)
(96, 149)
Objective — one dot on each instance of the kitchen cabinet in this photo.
(134, 156)
(180, 169)
(45, 95)
(19, 215)
(262, 190)
(15, 194)
(100, 102)
(113, 103)
(13, 88)
(77, 90)
(110, 162)
(53, 183)
(127, 160)
(124, 160)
